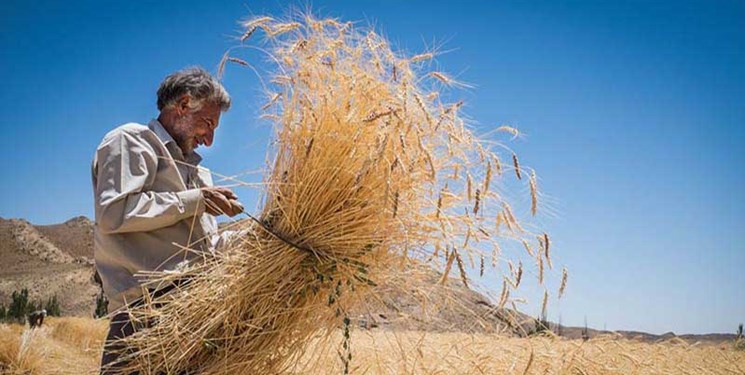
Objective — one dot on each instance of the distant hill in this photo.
(58, 259)
(74, 236)
(49, 260)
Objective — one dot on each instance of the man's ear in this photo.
(182, 105)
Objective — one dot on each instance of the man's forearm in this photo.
(146, 211)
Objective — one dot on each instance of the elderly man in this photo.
(152, 200)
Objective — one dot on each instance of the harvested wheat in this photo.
(358, 193)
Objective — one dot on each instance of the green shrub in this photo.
(52, 306)
(102, 306)
(18, 306)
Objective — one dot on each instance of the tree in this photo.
(739, 332)
(585, 332)
(3, 312)
(102, 306)
(18, 306)
(52, 306)
(33, 306)
(541, 324)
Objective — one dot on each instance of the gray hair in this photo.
(195, 82)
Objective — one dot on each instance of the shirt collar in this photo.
(170, 143)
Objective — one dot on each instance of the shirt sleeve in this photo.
(125, 165)
(227, 239)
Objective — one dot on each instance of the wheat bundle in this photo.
(370, 175)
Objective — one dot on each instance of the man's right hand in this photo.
(220, 200)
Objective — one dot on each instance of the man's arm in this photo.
(125, 165)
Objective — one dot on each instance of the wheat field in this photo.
(73, 346)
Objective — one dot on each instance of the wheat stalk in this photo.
(563, 285)
(544, 305)
(527, 247)
(533, 194)
(421, 57)
(448, 266)
(348, 202)
(461, 268)
(508, 129)
(516, 164)
(546, 249)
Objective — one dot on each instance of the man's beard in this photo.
(182, 134)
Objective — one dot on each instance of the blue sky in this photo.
(634, 113)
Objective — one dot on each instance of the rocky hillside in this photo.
(49, 260)
(74, 237)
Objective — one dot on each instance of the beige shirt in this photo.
(148, 208)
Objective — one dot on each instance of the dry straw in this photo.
(50, 350)
(357, 195)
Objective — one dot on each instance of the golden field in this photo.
(73, 346)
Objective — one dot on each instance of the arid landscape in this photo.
(57, 259)
(49, 260)
(372, 187)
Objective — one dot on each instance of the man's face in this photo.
(195, 128)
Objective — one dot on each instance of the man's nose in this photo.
(209, 138)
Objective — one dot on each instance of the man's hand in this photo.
(220, 200)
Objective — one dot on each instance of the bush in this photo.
(541, 325)
(52, 306)
(102, 306)
(33, 306)
(18, 306)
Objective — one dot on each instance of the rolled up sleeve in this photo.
(227, 238)
(125, 166)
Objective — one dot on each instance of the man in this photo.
(152, 200)
(36, 318)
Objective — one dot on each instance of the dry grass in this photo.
(407, 352)
(457, 353)
(61, 346)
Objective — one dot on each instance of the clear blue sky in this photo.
(634, 110)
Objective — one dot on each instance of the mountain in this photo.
(74, 237)
(49, 260)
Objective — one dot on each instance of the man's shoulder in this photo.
(131, 130)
